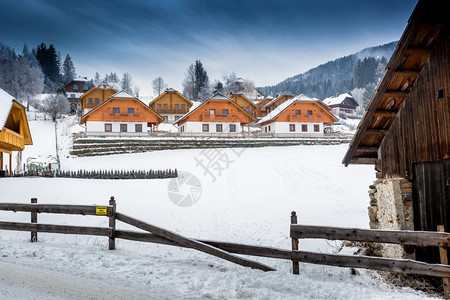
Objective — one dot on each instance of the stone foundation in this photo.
(391, 209)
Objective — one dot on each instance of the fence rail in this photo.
(59, 209)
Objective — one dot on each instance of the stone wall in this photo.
(391, 209)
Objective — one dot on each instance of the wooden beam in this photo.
(367, 149)
(403, 237)
(65, 229)
(190, 243)
(58, 209)
(364, 160)
(418, 51)
(5, 151)
(385, 113)
(405, 266)
(376, 131)
(406, 73)
(396, 94)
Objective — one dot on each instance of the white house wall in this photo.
(283, 128)
(99, 126)
(197, 127)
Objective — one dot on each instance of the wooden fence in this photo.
(227, 251)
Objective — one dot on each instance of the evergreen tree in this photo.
(201, 83)
(218, 87)
(50, 64)
(68, 70)
(127, 83)
(97, 79)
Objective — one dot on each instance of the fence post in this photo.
(295, 265)
(112, 224)
(33, 220)
(444, 261)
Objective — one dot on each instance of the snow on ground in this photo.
(246, 197)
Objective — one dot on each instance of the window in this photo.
(176, 118)
(225, 112)
(309, 112)
(177, 106)
(232, 128)
(159, 106)
(219, 128)
(247, 109)
(72, 95)
(316, 128)
(304, 128)
(278, 102)
(90, 100)
(123, 127)
(115, 110)
(165, 106)
(269, 128)
(75, 86)
(297, 112)
(212, 111)
(292, 127)
(182, 106)
(265, 129)
(131, 111)
(138, 127)
(97, 100)
(205, 127)
(108, 127)
(85, 87)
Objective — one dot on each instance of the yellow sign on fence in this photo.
(101, 210)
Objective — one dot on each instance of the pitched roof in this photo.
(216, 96)
(245, 98)
(279, 109)
(337, 100)
(427, 22)
(6, 102)
(97, 88)
(123, 94)
(278, 97)
(170, 90)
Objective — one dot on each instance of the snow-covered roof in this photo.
(77, 95)
(80, 78)
(171, 90)
(336, 100)
(219, 96)
(6, 102)
(122, 94)
(276, 98)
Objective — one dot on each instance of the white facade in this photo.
(197, 127)
(101, 128)
(171, 118)
(299, 128)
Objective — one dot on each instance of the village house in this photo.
(405, 133)
(171, 105)
(261, 107)
(301, 115)
(219, 115)
(74, 90)
(121, 115)
(343, 105)
(244, 102)
(279, 99)
(95, 96)
(14, 130)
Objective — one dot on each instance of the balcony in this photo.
(11, 140)
(171, 111)
(220, 118)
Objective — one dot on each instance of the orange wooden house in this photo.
(95, 96)
(14, 129)
(121, 114)
(300, 115)
(217, 116)
(171, 105)
(244, 102)
(280, 99)
(261, 106)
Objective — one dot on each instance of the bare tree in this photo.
(136, 91)
(56, 105)
(189, 83)
(158, 86)
(127, 83)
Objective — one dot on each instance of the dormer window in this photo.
(75, 86)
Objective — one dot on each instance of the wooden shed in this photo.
(405, 132)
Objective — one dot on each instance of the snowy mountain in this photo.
(337, 76)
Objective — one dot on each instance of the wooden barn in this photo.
(95, 96)
(171, 105)
(405, 132)
(121, 115)
(14, 130)
(217, 116)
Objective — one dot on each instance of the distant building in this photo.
(14, 130)
(261, 106)
(121, 115)
(171, 105)
(343, 103)
(95, 96)
(277, 102)
(244, 102)
(219, 115)
(74, 90)
(300, 115)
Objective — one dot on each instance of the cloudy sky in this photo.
(264, 41)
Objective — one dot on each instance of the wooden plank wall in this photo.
(421, 130)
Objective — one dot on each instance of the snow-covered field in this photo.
(246, 196)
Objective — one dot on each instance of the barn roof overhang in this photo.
(427, 22)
